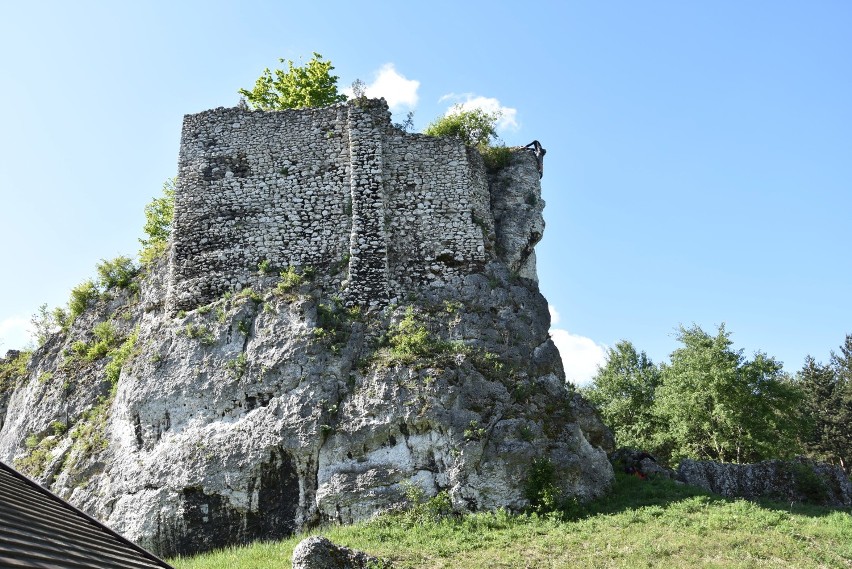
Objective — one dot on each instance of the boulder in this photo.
(320, 553)
(639, 463)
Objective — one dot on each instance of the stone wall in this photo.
(796, 480)
(321, 188)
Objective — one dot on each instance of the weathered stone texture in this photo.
(317, 187)
(789, 481)
(320, 553)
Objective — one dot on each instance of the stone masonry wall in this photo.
(316, 187)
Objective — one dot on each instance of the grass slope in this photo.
(653, 523)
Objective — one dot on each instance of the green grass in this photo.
(640, 524)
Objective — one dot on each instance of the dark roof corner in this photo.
(40, 529)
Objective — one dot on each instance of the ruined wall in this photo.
(320, 187)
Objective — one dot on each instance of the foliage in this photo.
(708, 403)
(48, 322)
(623, 390)
(807, 482)
(407, 124)
(311, 85)
(106, 338)
(474, 432)
(651, 523)
(159, 217)
(250, 294)
(411, 339)
(81, 295)
(719, 406)
(359, 90)
(422, 510)
(541, 488)
(333, 323)
(120, 356)
(475, 127)
(827, 407)
(198, 332)
(290, 280)
(89, 434)
(238, 365)
(38, 456)
(118, 272)
(496, 157)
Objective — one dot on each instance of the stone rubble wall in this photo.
(798, 480)
(323, 187)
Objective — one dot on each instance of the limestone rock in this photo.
(320, 553)
(251, 405)
(797, 480)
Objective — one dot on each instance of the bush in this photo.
(13, 370)
(81, 296)
(422, 510)
(411, 339)
(290, 280)
(475, 127)
(496, 157)
(106, 338)
(47, 322)
(118, 272)
(541, 489)
(119, 357)
(159, 216)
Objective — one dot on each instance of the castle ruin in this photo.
(327, 187)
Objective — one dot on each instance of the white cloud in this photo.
(581, 356)
(398, 91)
(554, 316)
(16, 332)
(469, 101)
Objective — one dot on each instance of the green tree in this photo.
(475, 127)
(82, 296)
(719, 406)
(623, 390)
(118, 272)
(48, 322)
(311, 85)
(827, 407)
(159, 216)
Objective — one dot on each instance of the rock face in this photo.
(320, 553)
(788, 481)
(215, 401)
(639, 463)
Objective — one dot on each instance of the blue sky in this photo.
(699, 156)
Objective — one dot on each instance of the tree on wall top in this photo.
(475, 127)
(311, 85)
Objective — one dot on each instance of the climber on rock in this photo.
(539, 152)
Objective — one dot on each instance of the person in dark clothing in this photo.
(539, 152)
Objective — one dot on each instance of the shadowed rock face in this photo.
(263, 411)
(789, 481)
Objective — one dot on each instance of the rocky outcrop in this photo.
(320, 553)
(797, 480)
(274, 407)
(639, 463)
